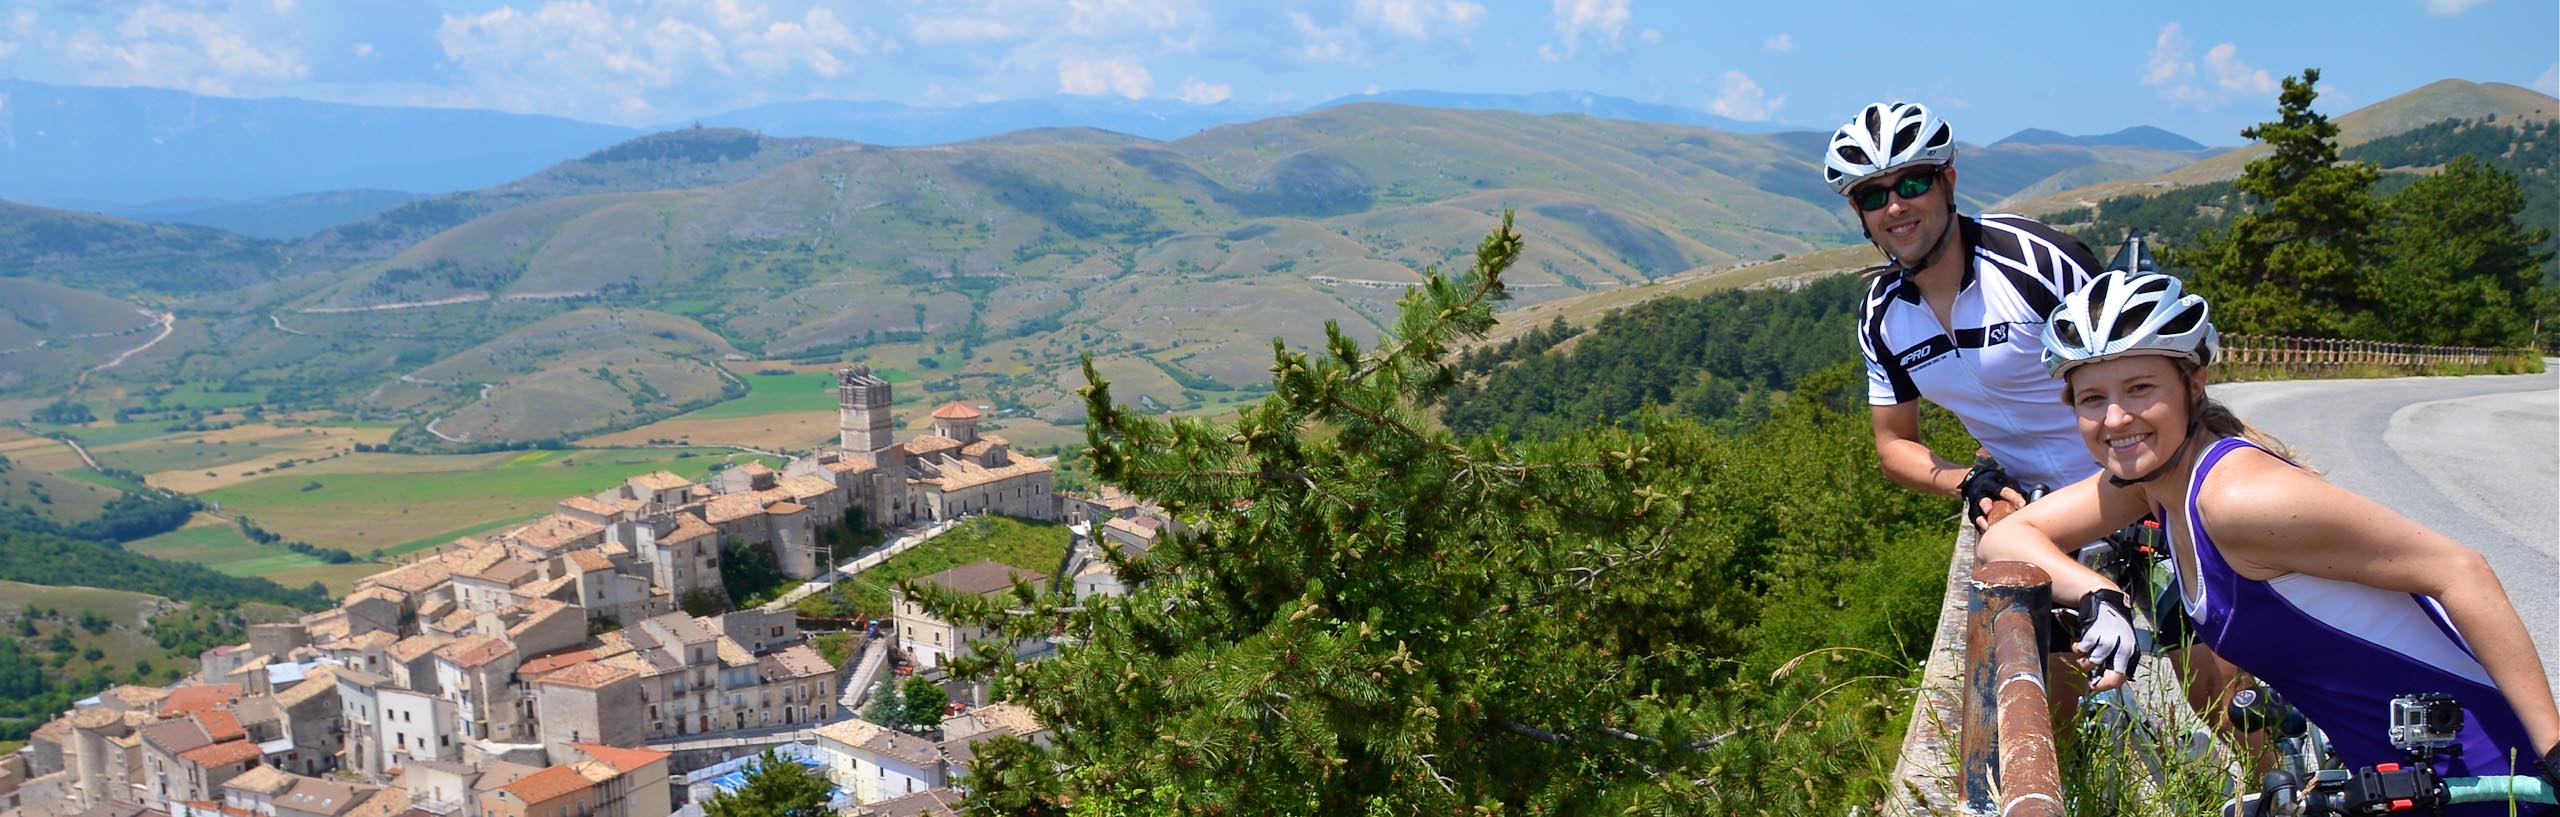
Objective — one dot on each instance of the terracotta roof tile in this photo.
(477, 651)
(266, 780)
(587, 505)
(221, 754)
(588, 675)
(797, 661)
(554, 661)
(199, 697)
(660, 481)
(731, 508)
(590, 561)
(785, 508)
(219, 725)
(621, 759)
(956, 410)
(688, 528)
(416, 646)
(548, 784)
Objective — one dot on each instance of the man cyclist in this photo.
(1956, 315)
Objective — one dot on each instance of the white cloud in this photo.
(1420, 19)
(1322, 44)
(2171, 71)
(1649, 37)
(1784, 43)
(1197, 92)
(2235, 76)
(2549, 82)
(1117, 75)
(2169, 62)
(155, 44)
(632, 63)
(1603, 21)
(1737, 96)
(2448, 8)
(935, 30)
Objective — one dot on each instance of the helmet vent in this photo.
(1854, 154)
(2129, 320)
(2183, 322)
(1905, 137)
(1941, 138)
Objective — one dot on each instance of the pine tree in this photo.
(775, 787)
(1365, 614)
(886, 706)
(2295, 263)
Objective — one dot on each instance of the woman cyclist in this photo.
(2335, 601)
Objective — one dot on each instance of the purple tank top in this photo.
(2340, 651)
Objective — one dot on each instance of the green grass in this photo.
(1034, 546)
(837, 648)
(777, 394)
(122, 646)
(203, 395)
(102, 480)
(183, 452)
(73, 500)
(103, 435)
(447, 537)
(360, 511)
(218, 544)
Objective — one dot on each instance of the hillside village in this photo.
(548, 670)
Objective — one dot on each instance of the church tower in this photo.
(862, 400)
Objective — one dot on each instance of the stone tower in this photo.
(862, 400)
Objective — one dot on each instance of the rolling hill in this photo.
(2428, 104)
(596, 294)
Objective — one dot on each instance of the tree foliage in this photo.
(920, 703)
(2454, 265)
(1363, 615)
(1723, 357)
(2292, 265)
(775, 787)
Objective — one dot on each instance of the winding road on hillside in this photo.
(2476, 458)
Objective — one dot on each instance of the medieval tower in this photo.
(862, 400)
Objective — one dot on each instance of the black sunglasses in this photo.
(1911, 186)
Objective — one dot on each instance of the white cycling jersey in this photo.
(1987, 366)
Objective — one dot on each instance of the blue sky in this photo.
(2203, 69)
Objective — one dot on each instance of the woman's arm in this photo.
(2270, 518)
(2047, 533)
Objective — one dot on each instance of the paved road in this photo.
(2477, 458)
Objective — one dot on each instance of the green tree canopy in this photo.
(775, 787)
(2457, 268)
(1367, 615)
(920, 704)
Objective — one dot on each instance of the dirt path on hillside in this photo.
(168, 324)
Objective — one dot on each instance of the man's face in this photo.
(1914, 212)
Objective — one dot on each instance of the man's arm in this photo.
(1906, 460)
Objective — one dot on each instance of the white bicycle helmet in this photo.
(2121, 313)
(1883, 138)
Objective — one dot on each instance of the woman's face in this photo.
(2133, 411)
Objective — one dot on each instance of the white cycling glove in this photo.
(2106, 633)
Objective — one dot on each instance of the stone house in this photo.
(254, 792)
(360, 710)
(589, 702)
(477, 674)
(201, 771)
(416, 726)
(315, 797)
(163, 744)
(932, 640)
(876, 763)
(637, 786)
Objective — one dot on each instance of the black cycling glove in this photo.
(2551, 766)
(1985, 481)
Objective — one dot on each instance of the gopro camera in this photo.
(2425, 722)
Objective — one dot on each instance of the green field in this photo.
(1033, 546)
(776, 394)
(218, 544)
(71, 500)
(207, 395)
(391, 507)
(101, 434)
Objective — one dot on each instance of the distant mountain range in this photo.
(171, 156)
(2139, 136)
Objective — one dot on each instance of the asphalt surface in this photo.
(2475, 458)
